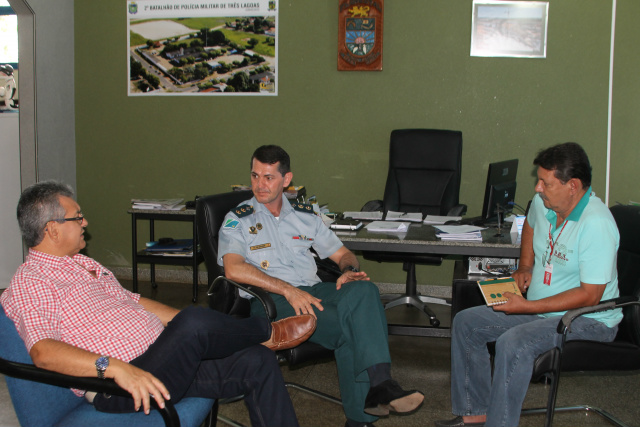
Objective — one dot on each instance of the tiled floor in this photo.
(423, 363)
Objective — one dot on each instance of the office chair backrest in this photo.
(628, 221)
(210, 212)
(424, 171)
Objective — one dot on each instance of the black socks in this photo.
(379, 373)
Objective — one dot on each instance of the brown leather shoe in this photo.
(291, 331)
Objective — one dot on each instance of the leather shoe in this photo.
(457, 422)
(388, 397)
(359, 424)
(290, 332)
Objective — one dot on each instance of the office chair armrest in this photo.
(257, 292)
(328, 271)
(29, 372)
(457, 210)
(569, 316)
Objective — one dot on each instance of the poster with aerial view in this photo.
(515, 29)
(208, 48)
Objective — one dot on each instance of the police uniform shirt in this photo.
(278, 247)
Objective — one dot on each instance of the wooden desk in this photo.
(141, 256)
(422, 238)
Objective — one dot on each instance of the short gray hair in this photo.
(38, 205)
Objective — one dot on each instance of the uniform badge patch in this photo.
(253, 230)
(262, 246)
(301, 237)
(243, 210)
(302, 207)
(264, 264)
(231, 223)
(259, 226)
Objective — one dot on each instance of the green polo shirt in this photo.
(585, 250)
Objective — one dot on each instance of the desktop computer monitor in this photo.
(500, 191)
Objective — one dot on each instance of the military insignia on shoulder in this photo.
(243, 210)
(302, 207)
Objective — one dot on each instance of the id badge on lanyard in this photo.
(548, 270)
(548, 267)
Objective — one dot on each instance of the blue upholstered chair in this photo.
(42, 398)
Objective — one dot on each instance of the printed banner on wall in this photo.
(208, 48)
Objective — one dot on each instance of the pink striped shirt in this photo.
(58, 298)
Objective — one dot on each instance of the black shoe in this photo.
(388, 396)
(457, 422)
(359, 424)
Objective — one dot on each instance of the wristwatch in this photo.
(102, 363)
(350, 268)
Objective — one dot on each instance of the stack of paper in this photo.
(459, 232)
(367, 216)
(404, 216)
(398, 227)
(295, 192)
(158, 204)
(437, 219)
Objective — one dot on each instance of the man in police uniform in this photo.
(266, 242)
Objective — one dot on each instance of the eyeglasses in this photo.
(79, 218)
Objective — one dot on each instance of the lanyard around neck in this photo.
(552, 244)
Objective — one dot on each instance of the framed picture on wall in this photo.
(8, 58)
(360, 35)
(509, 28)
(217, 48)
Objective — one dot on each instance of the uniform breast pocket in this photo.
(300, 244)
(262, 255)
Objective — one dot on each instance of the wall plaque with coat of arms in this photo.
(360, 35)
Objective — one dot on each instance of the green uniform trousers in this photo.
(353, 324)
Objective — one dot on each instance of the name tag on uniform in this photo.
(264, 245)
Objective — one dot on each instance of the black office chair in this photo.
(424, 176)
(223, 293)
(623, 354)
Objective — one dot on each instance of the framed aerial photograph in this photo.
(214, 48)
(509, 28)
(360, 35)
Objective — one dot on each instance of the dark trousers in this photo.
(353, 324)
(204, 353)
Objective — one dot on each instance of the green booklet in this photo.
(493, 290)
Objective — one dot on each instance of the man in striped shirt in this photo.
(75, 318)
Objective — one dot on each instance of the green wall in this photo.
(625, 152)
(336, 125)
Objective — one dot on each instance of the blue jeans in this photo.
(204, 353)
(520, 338)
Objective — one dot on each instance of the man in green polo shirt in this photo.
(567, 260)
